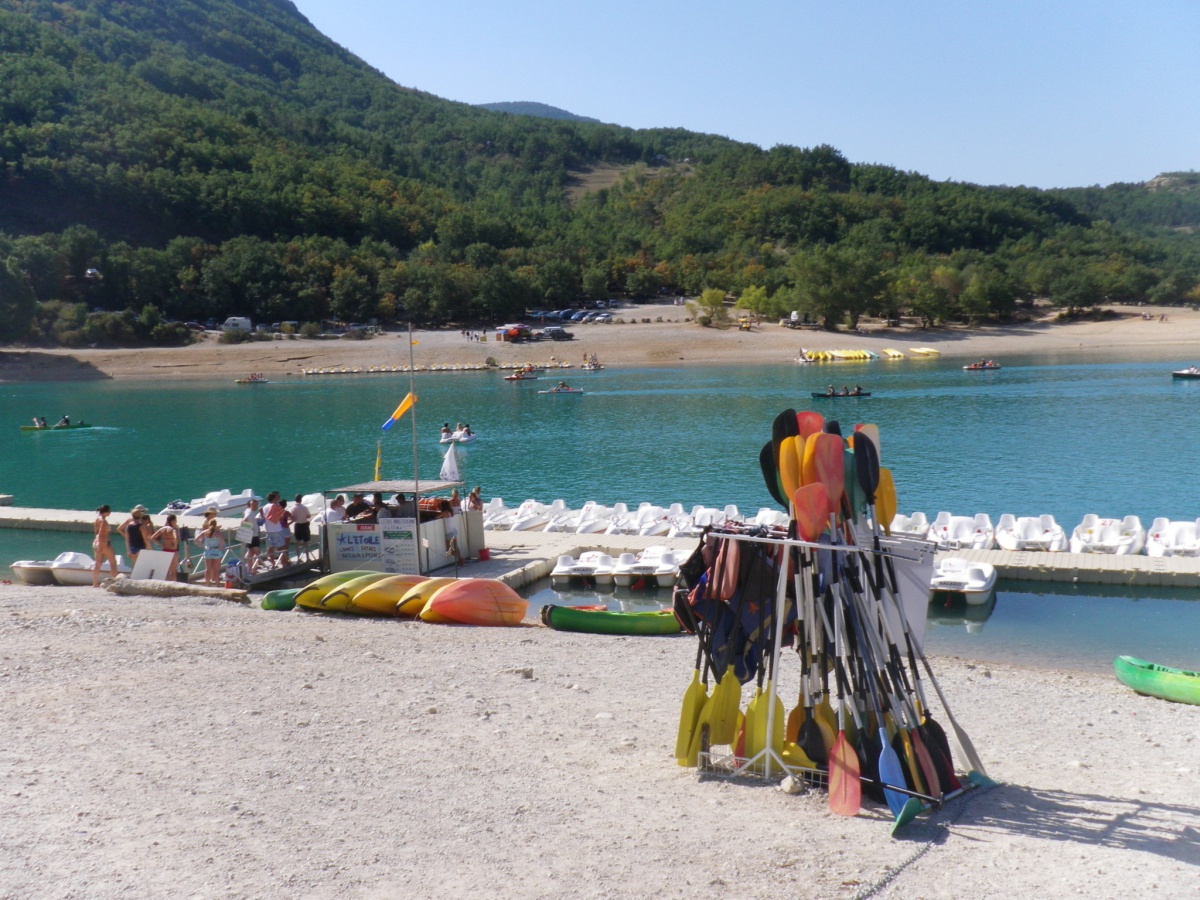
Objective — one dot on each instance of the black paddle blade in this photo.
(868, 767)
(866, 461)
(832, 427)
(785, 425)
(766, 462)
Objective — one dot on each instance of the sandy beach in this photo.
(195, 747)
(661, 336)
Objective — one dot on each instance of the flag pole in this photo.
(412, 390)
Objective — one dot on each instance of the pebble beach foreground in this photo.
(195, 747)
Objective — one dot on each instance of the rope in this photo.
(891, 873)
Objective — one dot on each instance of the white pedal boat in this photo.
(588, 519)
(1120, 537)
(75, 569)
(974, 580)
(529, 516)
(1168, 538)
(656, 566)
(458, 437)
(227, 504)
(592, 565)
(1030, 533)
(916, 525)
(963, 532)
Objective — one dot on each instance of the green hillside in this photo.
(531, 108)
(204, 158)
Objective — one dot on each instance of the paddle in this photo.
(845, 786)
(766, 462)
(810, 503)
(832, 427)
(791, 454)
(809, 423)
(885, 500)
(694, 699)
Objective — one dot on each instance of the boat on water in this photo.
(594, 566)
(1167, 538)
(595, 621)
(984, 365)
(461, 436)
(1120, 537)
(951, 532)
(656, 566)
(1151, 679)
(521, 376)
(228, 504)
(916, 525)
(72, 426)
(253, 378)
(1189, 372)
(592, 517)
(952, 609)
(1030, 533)
(825, 395)
(562, 390)
(975, 581)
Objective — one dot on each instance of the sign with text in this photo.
(389, 546)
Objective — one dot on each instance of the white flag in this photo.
(450, 466)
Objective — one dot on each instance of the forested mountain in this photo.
(530, 108)
(213, 157)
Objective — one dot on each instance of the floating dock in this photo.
(519, 558)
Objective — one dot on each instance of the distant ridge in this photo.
(541, 110)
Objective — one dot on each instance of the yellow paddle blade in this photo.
(827, 723)
(789, 464)
(885, 499)
(726, 698)
(756, 725)
(794, 720)
(702, 722)
(777, 730)
(794, 756)
(694, 699)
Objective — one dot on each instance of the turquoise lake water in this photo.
(1041, 435)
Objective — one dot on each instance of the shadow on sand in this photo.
(35, 365)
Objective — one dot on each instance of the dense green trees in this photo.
(214, 157)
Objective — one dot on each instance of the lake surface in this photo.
(1041, 435)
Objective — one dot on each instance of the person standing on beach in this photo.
(102, 545)
(300, 525)
(212, 542)
(252, 523)
(134, 532)
(168, 540)
(275, 525)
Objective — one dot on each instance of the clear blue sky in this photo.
(1046, 93)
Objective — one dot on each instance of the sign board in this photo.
(389, 546)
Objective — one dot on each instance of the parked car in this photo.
(579, 316)
(603, 317)
(556, 333)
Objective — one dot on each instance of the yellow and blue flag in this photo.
(405, 405)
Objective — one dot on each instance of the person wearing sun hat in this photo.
(136, 531)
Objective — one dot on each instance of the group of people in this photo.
(460, 430)
(277, 525)
(140, 533)
(40, 422)
(845, 391)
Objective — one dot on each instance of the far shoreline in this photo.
(661, 336)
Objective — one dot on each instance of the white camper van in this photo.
(239, 322)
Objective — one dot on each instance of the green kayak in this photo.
(280, 601)
(590, 621)
(1158, 681)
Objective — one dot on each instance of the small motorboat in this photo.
(72, 569)
(963, 532)
(72, 426)
(974, 580)
(591, 566)
(1168, 538)
(655, 566)
(982, 366)
(252, 379)
(916, 525)
(825, 395)
(521, 376)
(1189, 372)
(1177, 685)
(227, 504)
(562, 390)
(1030, 533)
(1120, 537)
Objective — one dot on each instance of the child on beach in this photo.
(212, 542)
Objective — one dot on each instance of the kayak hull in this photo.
(821, 395)
(586, 621)
(1176, 685)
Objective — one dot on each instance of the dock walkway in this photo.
(519, 558)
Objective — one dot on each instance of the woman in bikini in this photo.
(213, 543)
(102, 545)
(168, 539)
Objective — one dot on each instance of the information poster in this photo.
(390, 546)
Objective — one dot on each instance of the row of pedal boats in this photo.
(595, 518)
(1094, 534)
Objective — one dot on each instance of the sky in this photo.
(1043, 93)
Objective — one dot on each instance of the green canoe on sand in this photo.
(590, 621)
(1158, 681)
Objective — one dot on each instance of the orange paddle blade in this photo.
(827, 466)
(810, 423)
(845, 788)
(810, 505)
